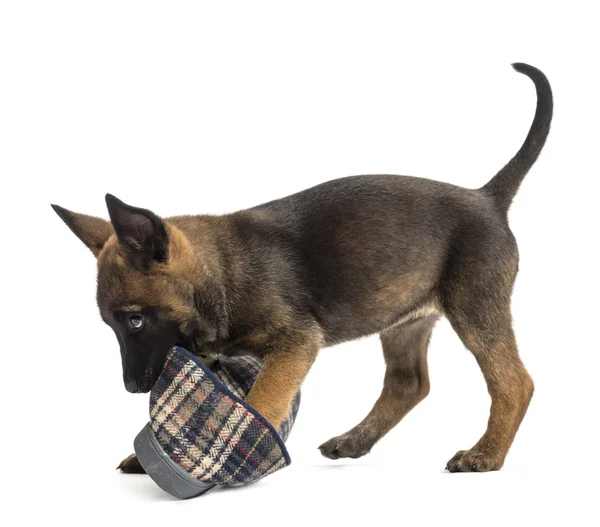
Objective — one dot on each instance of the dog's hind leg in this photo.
(406, 383)
(477, 305)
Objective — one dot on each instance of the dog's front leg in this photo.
(131, 465)
(284, 368)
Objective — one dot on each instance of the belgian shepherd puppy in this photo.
(351, 257)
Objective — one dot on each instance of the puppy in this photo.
(348, 258)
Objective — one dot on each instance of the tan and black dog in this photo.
(351, 257)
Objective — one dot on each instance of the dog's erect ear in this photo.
(141, 233)
(90, 230)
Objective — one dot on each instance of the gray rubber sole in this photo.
(167, 474)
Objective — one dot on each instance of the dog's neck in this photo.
(231, 278)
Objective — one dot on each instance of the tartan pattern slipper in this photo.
(202, 433)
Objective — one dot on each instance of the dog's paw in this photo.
(473, 461)
(351, 444)
(131, 465)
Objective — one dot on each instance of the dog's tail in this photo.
(505, 184)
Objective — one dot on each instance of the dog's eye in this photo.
(136, 321)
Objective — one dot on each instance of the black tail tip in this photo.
(521, 67)
(534, 74)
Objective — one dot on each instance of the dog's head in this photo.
(151, 289)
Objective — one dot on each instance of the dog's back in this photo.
(394, 238)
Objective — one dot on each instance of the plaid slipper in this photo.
(201, 432)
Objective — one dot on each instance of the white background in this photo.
(212, 107)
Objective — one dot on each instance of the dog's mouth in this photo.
(142, 383)
(203, 351)
(139, 387)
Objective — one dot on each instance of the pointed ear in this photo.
(90, 230)
(141, 233)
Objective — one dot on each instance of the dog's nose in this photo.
(132, 386)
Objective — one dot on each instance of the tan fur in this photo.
(280, 378)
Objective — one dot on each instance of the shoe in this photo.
(202, 434)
